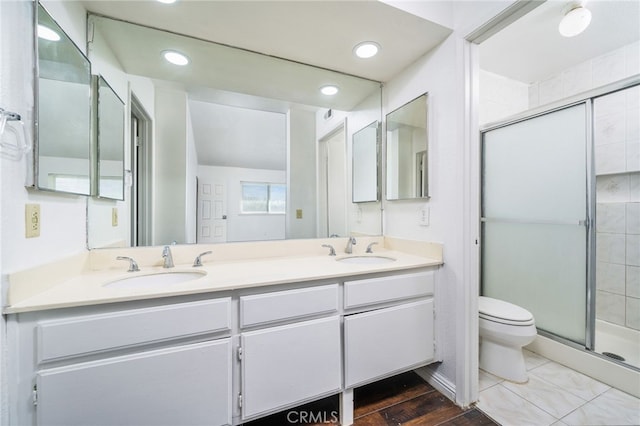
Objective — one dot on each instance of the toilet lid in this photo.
(502, 310)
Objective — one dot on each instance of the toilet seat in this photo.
(503, 312)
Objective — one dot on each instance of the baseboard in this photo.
(438, 381)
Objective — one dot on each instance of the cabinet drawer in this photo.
(291, 304)
(95, 333)
(386, 289)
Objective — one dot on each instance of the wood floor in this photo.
(405, 399)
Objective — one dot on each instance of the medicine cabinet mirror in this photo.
(365, 164)
(63, 117)
(407, 151)
(110, 141)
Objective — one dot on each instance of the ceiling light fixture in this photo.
(575, 21)
(175, 58)
(329, 90)
(47, 33)
(366, 49)
(167, 1)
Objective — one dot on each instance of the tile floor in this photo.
(555, 395)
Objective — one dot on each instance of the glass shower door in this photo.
(535, 227)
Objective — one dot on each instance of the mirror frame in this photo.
(378, 126)
(422, 180)
(35, 173)
(99, 83)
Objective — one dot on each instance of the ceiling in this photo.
(531, 49)
(319, 33)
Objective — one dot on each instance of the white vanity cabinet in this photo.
(286, 365)
(393, 330)
(182, 385)
(159, 365)
(219, 358)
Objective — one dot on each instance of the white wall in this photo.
(301, 174)
(170, 167)
(191, 183)
(501, 97)
(433, 74)
(63, 216)
(246, 227)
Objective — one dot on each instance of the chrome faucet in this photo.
(350, 243)
(198, 261)
(370, 247)
(168, 258)
(332, 251)
(133, 266)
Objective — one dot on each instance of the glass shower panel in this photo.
(534, 218)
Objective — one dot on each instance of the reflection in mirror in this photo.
(63, 160)
(365, 164)
(407, 149)
(229, 119)
(110, 142)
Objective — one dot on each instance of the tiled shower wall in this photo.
(617, 160)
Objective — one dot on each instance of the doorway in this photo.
(141, 190)
(332, 184)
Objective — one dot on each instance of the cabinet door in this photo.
(186, 385)
(386, 341)
(283, 366)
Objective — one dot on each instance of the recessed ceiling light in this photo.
(329, 90)
(366, 49)
(47, 33)
(167, 1)
(175, 58)
(575, 21)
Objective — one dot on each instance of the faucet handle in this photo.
(198, 261)
(369, 249)
(133, 266)
(332, 251)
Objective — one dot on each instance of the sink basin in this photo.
(156, 280)
(366, 259)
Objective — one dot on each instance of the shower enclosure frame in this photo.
(587, 98)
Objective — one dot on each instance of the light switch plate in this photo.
(423, 216)
(32, 220)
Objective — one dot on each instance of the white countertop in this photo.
(87, 286)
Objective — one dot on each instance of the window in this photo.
(270, 198)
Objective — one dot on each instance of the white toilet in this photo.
(504, 329)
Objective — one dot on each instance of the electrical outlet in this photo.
(32, 219)
(299, 214)
(114, 216)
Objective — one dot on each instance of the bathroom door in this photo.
(212, 212)
(536, 216)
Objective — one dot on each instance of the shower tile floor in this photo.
(555, 395)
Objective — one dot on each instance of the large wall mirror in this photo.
(365, 169)
(63, 160)
(231, 129)
(110, 141)
(407, 151)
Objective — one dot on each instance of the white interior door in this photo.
(212, 212)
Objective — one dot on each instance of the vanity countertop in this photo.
(87, 284)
